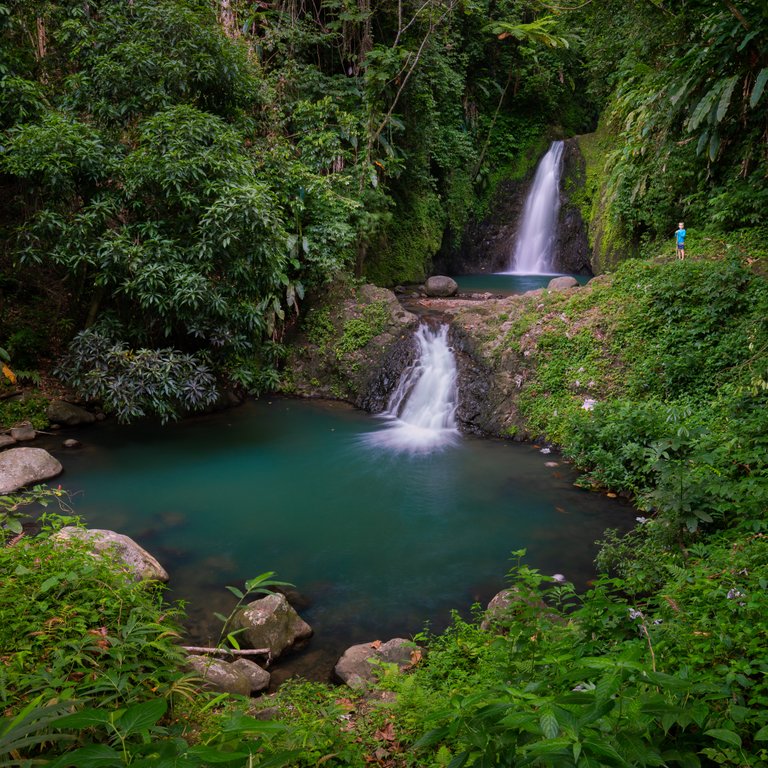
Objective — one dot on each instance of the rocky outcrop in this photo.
(68, 414)
(25, 466)
(359, 666)
(140, 565)
(352, 345)
(271, 623)
(240, 677)
(572, 245)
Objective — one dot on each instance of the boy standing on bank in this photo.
(680, 235)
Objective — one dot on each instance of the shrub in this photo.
(136, 383)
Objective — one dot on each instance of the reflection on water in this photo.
(377, 543)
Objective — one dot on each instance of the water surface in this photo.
(507, 283)
(378, 543)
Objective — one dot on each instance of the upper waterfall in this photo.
(534, 247)
(422, 409)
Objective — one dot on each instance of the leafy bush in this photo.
(136, 383)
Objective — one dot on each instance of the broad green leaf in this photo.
(549, 725)
(762, 734)
(705, 105)
(758, 87)
(87, 718)
(236, 592)
(92, 756)
(142, 716)
(604, 751)
(725, 98)
(722, 734)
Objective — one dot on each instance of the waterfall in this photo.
(538, 230)
(422, 409)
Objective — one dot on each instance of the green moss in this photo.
(358, 331)
(319, 327)
(405, 250)
(33, 410)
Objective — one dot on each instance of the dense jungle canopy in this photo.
(175, 175)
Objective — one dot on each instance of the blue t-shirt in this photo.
(680, 236)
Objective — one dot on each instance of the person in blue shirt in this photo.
(680, 235)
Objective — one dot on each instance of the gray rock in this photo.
(220, 675)
(271, 623)
(562, 283)
(507, 603)
(141, 565)
(70, 442)
(6, 440)
(23, 433)
(441, 286)
(62, 412)
(23, 466)
(259, 678)
(358, 666)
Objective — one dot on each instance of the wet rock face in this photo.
(572, 247)
(487, 245)
(352, 346)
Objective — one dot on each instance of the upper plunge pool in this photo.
(507, 283)
(379, 542)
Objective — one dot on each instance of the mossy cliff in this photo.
(352, 345)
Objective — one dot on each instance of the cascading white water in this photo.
(538, 230)
(422, 408)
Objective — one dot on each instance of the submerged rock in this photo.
(24, 466)
(6, 440)
(271, 623)
(138, 562)
(359, 665)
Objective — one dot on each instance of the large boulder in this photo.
(259, 678)
(68, 414)
(24, 466)
(271, 623)
(441, 286)
(138, 562)
(562, 283)
(219, 675)
(358, 667)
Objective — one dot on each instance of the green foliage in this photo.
(79, 629)
(12, 508)
(683, 89)
(358, 331)
(31, 409)
(135, 383)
